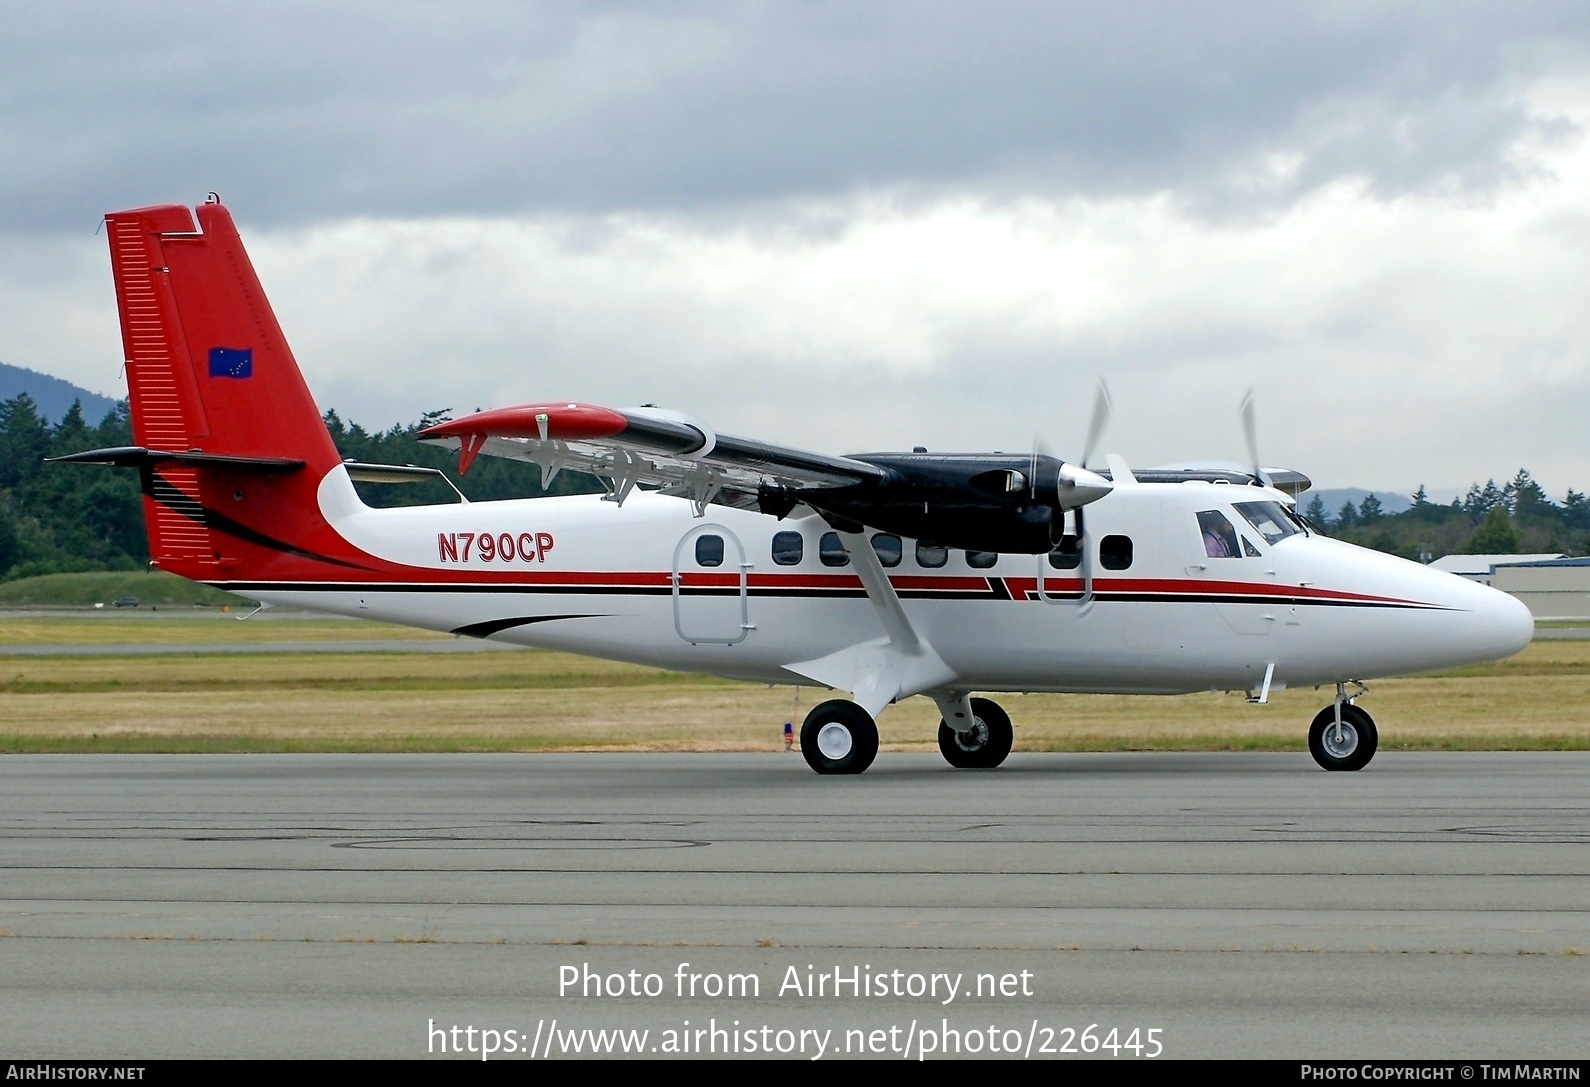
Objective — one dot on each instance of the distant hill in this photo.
(1333, 499)
(53, 396)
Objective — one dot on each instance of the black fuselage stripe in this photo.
(163, 491)
(494, 626)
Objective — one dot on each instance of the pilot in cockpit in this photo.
(1220, 539)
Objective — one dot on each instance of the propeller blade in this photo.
(1096, 424)
(1250, 431)
(1032, 468)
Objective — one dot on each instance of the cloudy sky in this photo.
(850, 226)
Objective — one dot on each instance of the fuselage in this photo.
(1163, 600)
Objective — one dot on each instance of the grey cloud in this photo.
(302, 112)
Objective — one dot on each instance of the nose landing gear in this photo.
(984, 745)
(1342, 736)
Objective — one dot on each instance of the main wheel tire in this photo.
(984, 745)
(839, 737)
(1356, 745)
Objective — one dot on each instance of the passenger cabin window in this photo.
(1274, 522)
(1061, 559)
(931, 556)
(1115, 552)
(709, 550)
(888, 547)
(788, 548)
(831, 549)
(1220, 539)
(981, 560)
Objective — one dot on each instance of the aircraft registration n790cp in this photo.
(881, 575)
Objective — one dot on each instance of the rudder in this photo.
(207, 364)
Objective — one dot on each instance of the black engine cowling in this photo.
(977, 502)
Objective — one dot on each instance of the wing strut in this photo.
(882, 670)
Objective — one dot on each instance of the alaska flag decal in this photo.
(231, 362)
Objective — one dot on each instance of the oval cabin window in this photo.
(788, 548)
(1115, 552)
(831, 549)
(709, 550)
(889, 548)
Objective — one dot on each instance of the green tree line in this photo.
(57, 518)
(1517, 517)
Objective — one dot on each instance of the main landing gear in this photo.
(984, 745)
(1342, 737)
(839, 737)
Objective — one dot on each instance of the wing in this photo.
(672, 452)
(978, 501)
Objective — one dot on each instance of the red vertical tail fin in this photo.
(210, 372)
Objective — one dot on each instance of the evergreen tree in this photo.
(1369, 511)
(1529, 498)
(1576, 510)
(1315, 514)
(9, 550)
(1495, 536)
(24, 440)
(1346, 517)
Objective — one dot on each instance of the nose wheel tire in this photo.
(984, 745)
(1352, 748)
(839, 737)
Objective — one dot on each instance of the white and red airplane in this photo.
(883, 575)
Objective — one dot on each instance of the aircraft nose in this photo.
(1508, 622)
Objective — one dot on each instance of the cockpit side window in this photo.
(1272, 521)
(1220, 539)
(1249, 550)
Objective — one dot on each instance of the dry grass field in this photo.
(184, 627)
(540, 701)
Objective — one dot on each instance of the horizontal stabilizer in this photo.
(136, 456)
(391, 473)
(398, 473)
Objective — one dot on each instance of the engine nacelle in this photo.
(977, 502)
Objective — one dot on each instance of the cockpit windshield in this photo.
(1273, 520)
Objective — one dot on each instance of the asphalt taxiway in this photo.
(1433, 905)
